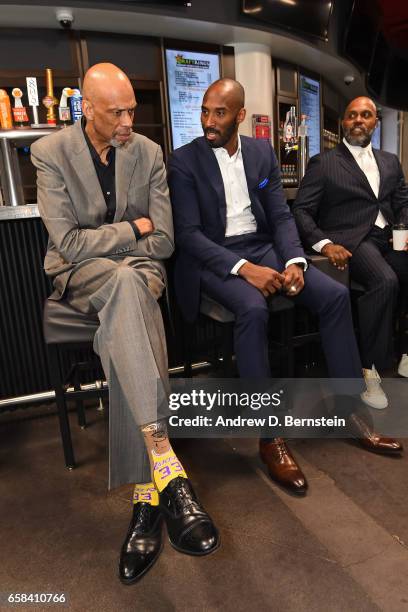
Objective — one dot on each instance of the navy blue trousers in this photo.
(323, 296)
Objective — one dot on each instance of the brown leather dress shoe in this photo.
(282, 466)
(371, 440)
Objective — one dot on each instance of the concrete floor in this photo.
(343, 547)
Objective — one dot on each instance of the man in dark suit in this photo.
(347, 202)
(237, 242)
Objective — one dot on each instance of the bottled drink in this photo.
(6, 118)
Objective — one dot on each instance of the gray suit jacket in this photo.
(73, 208)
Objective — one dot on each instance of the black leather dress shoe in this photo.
(143, 543)
(372, 441)
(190, 529)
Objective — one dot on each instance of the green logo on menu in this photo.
(184, 61)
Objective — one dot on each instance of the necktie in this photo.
(369, 167)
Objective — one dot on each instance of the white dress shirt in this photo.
(240, 219)
(364, 157)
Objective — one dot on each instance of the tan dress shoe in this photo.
(282, 466)
(371, 440)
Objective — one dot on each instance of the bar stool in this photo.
(65, 329)
(402, 320)
(323, 264)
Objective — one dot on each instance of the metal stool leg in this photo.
(227, 349)
(402, 321)
(289, 330)
(188, 331)
(79, 403)
(56, 381)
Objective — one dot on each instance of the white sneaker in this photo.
(403, 366)
(374, 396)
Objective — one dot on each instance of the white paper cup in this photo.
(399, 237)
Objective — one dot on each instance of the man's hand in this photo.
(144, 225)
(267, 280)
(337, 255)
(405, 247)
(294, 281)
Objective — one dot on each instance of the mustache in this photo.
(358, 138)
(211, 131)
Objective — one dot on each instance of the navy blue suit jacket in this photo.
(199, 211)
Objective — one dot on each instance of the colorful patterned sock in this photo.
(145, 492)
(164, 463)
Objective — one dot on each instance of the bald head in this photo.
(104, 80)
(359, 121)
(108, 104)
(230, 90)
(361, 100)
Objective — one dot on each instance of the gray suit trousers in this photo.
(131, 344)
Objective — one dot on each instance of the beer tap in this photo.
(50, 100)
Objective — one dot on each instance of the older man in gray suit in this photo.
(103, 196)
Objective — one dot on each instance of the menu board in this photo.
(188, 76)
(309, 94)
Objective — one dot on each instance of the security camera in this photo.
(348, 79)
(65, 17)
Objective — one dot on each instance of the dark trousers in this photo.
(321, 294)
(381, 271)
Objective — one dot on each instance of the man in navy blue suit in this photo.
(238, 243)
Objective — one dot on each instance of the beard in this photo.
(114, 142)
(362, 139)
(222, 138)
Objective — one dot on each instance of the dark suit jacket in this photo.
(335, 200)
(199, 211)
